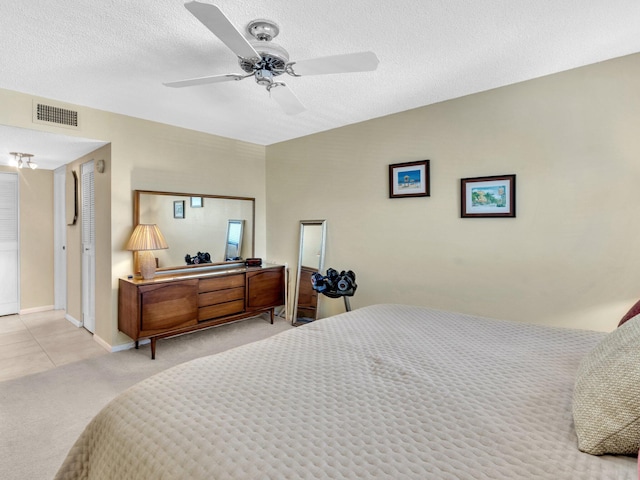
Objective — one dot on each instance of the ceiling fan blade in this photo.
(204, 80)
(216, 21)
(348, 62)
(286, 99)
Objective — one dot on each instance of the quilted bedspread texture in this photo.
(387, 391)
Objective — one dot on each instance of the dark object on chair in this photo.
(197, 259)
(335, 284)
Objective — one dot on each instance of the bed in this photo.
(386, 391)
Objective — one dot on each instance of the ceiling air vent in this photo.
(56, 115)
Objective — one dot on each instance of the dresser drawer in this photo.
(220, 283)
(220, 310)
(220, 296)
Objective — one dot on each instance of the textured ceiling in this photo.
(114, 55)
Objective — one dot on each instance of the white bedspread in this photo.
(386, 391)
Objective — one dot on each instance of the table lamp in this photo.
(146, 237)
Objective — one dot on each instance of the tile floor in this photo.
(40, 341)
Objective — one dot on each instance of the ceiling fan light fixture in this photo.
(264, 77)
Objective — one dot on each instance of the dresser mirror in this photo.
(313, 234)
(195, 224)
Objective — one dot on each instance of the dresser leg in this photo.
(272, 315)
(153, 348)
(137, 345)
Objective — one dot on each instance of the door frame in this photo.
(60, 238)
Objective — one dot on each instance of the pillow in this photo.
(635, 310)
(606, 397)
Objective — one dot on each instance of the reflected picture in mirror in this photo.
(203, 229)
(310, 260)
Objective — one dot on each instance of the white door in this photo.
(59, 239)
(9, 252)
(88, 248)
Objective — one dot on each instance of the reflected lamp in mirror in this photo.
(144, 239)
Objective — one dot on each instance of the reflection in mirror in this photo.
(203, 229)
(313, 234)
(234, 240)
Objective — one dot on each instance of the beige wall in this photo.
(36, 237)
(102, 192)
(568, 259)
(150, 156)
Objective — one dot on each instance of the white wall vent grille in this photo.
(58, 115)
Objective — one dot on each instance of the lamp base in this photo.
(147, 264)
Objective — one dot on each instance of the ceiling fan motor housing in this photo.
(273, 58)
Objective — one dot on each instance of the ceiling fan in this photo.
(264, 60)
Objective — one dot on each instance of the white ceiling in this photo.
(114, 55)
(49, 150)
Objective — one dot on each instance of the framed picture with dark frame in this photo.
(493, 196)
(178, 209)
(196, 202)
(409, 179)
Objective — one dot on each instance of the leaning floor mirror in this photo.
(313, 234)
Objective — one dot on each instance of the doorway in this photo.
(88, 247)
(9, 245)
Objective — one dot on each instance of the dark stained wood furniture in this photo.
(173, 304)
(307, 296)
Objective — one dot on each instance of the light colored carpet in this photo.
(41, 415)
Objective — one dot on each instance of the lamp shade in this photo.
(146, 237)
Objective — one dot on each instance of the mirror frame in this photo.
(136, 221)
(303, 223)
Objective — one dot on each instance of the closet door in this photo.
(88, 248)
(9, 252)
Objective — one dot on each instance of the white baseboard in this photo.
(44, 308)
(102, 343)
(77, 323)
(118, 348)
(128, 346)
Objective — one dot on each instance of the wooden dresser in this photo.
(172, 304)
